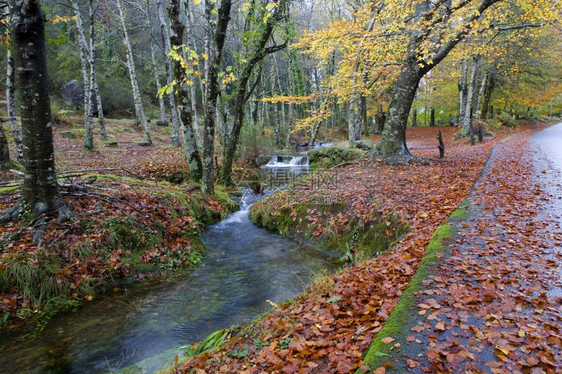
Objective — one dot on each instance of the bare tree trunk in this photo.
(414, 117)
(290, 127)
(351, 118)
(10, 98)
(169, 72)
(209, 7)
(486, 107)
(139, 109)
(241, 93)
(212, 93)
(155, 69)
(95, 90)
(39, 190)
(478, 108)
(193, 96)
(463, 81)
(189, 143)
(467, 119)
(432, 117)
(88, 113)
(393, 138)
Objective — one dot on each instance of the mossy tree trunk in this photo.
(212, 93)
(39, 190)
(243, 90)
(4, 149)
(182, 96)
(414, 67)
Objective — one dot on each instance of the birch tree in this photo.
(139, 109)
(88, 112)
(156, 71)
(11, 103)
(94, 88)
(164, 29)
(467, 119)
(10, 98)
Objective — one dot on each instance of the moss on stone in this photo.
(379, 353)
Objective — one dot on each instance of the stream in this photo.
(142, 326)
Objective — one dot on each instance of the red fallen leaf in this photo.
(290, 369)
(344, 366)
(433, 356)
(411, 338)
(387, 340)
(440, 326)
(380, 371)
(532, 361)
(412, 363)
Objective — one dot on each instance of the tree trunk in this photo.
(190, 145)
(486, 107)
(290, 127)
(432, 117)
(467, 119)
(155, 68)
(315, 130)
(10, 98)
(550, 110)
(88, 116)
(4, 149)
(94, 88)
(478, 107)
(212, 97)
(414, 117)
(351, 118)
(393, 138)
(361, 117)
(169, 72)
(241, 93)
(462, 85)
(139, 109)
(193, 96)
(39, 190)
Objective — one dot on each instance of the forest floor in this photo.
(131, 219)
(330, 327)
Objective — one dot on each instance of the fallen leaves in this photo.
(332, 326)
(492, 309)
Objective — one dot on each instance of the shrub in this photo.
(254, 141)
(506, 120)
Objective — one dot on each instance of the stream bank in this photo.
(141, 326)
(137, 231)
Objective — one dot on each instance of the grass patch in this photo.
(379, 353)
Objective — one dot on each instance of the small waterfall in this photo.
(287, 161)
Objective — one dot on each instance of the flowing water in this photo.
(143, 324)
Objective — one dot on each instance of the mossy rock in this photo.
(331, 156)
(364, 145)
